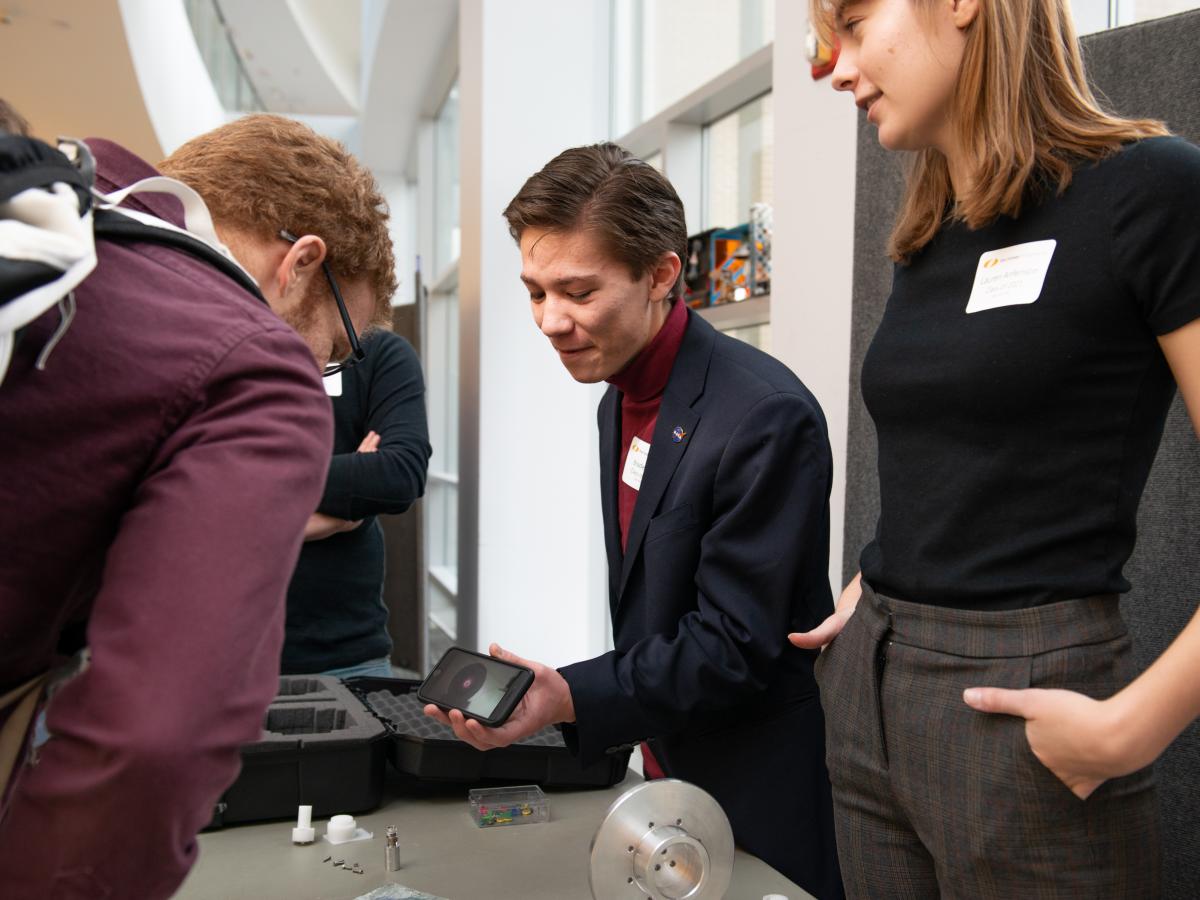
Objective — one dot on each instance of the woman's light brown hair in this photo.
(263, 173)
(1025, 117)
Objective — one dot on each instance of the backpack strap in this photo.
(113, 225)
(50, 216)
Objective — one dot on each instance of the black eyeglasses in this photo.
(357, 353)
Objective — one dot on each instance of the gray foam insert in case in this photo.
(304, 689)
(406, 713)
(319, 747)
(315, 711)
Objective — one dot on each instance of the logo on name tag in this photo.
(635, 463)
(1011, 276)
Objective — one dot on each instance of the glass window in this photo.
(221, 58)
(441, 495)
(1089, 15)
(665, 49)
(739, 163)
(441, 356)
(1130, 11)
(1097, 15)
(755, 335)
(447, 233)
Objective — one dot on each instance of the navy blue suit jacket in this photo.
(727, 552)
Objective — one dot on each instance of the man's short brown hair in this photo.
(605, 189)
(11, 120)
(263, 173)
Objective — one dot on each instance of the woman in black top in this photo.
(1045, 304)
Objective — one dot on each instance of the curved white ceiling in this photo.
(360, 70)
(302, 56)
(405, 60)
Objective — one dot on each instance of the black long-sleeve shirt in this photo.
(335, 614)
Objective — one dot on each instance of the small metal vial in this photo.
(391, 850)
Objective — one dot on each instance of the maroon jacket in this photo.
(154, 481)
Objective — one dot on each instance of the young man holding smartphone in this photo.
(715, 476)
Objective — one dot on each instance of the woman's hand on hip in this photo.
(820, 637)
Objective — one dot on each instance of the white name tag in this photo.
(1010, 276)
(635, 463)
(333, 384)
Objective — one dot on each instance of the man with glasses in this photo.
(356, 353)
(162, 452)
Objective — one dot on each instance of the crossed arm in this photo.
(386, 473)
(319, 525)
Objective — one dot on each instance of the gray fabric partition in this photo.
(1151, 69)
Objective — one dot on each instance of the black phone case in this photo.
(511, 697)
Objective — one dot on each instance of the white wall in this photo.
(533, 81)
(812, 269)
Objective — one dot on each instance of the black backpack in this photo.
(50, 219)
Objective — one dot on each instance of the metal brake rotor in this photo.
(662, 840)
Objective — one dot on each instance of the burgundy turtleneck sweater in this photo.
(641, 384)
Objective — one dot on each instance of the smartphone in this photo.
(481, 687)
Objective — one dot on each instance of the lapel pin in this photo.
(678, 434)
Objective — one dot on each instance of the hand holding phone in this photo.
(547, 702)
(480, 687)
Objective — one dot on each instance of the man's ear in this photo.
(298, 266)
(664, 274)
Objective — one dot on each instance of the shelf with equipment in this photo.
(728, 268)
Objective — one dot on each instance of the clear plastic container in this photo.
(523, 805)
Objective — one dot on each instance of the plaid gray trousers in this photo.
(934, 799)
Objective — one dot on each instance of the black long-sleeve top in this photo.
(335, 614)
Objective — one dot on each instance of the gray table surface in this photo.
(442, 852)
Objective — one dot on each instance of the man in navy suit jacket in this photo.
(715, 474)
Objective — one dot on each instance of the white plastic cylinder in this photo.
(303, 833)
(341, 828)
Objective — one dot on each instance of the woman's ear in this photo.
(964, 12)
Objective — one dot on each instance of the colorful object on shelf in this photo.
(762, 230)
(729, 280)
(697, 268)
(728, 265)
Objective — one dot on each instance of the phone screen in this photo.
(471, 682)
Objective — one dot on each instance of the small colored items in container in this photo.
(523, 805)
